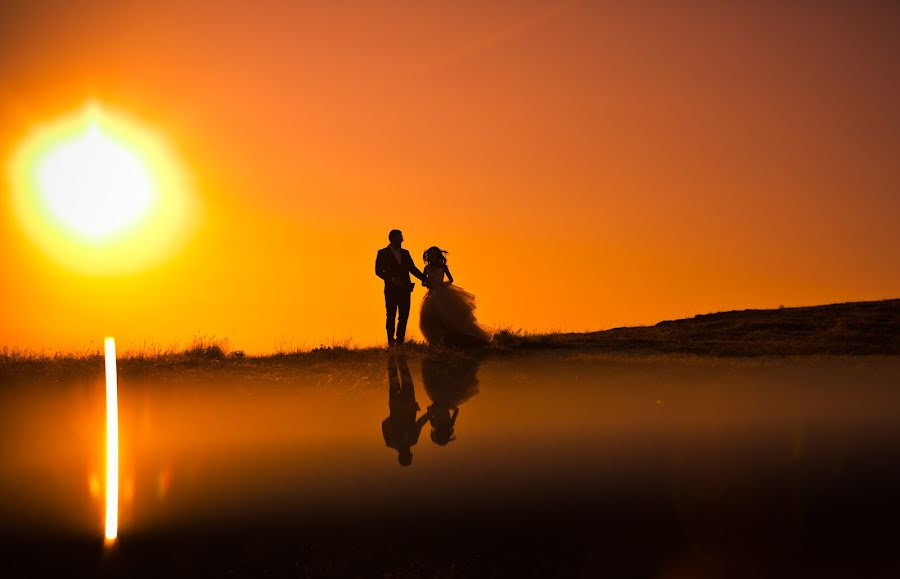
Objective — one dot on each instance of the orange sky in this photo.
(586, 165)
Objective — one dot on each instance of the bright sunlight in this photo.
(100, 193)
(94, 184)
(112, 441)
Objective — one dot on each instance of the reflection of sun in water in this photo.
(100, 193)
(94, 184)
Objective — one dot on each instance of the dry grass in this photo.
(861, 328)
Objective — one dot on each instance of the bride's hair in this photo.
(442, 435)
(434, 255)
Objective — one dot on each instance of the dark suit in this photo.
(401, 429)
(397, 288)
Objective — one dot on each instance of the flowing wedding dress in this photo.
(447, 316)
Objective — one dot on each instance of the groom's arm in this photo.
(411, 266)
(381, 269)
(422, 421)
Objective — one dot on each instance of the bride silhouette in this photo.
(447, 316)
(450, 379)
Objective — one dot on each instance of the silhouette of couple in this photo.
(449, 381)
(447, 313)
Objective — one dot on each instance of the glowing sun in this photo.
(94, 184)
(100, 193)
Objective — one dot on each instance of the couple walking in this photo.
(447, 313)
(450, 379)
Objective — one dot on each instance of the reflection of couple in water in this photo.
(446, 318)
(447, 315)
(450, 380)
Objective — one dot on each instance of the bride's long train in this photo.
(448, 317)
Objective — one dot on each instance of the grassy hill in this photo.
(860, 328)
(838, 329)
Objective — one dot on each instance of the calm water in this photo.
(683, 467)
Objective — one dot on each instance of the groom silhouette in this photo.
(393, 264)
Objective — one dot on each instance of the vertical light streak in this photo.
(112, 442)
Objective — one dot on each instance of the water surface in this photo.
(704, 466)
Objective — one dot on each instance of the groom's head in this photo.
(396, 238)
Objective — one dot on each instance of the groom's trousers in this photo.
(396, 302)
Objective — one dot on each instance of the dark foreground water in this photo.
(452, 466)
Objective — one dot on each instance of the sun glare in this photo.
(100, 193)
(112, 441)
(95, 185)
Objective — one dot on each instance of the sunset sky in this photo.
(587, 165)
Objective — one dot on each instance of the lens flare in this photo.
(101, 193)
(112, 442)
